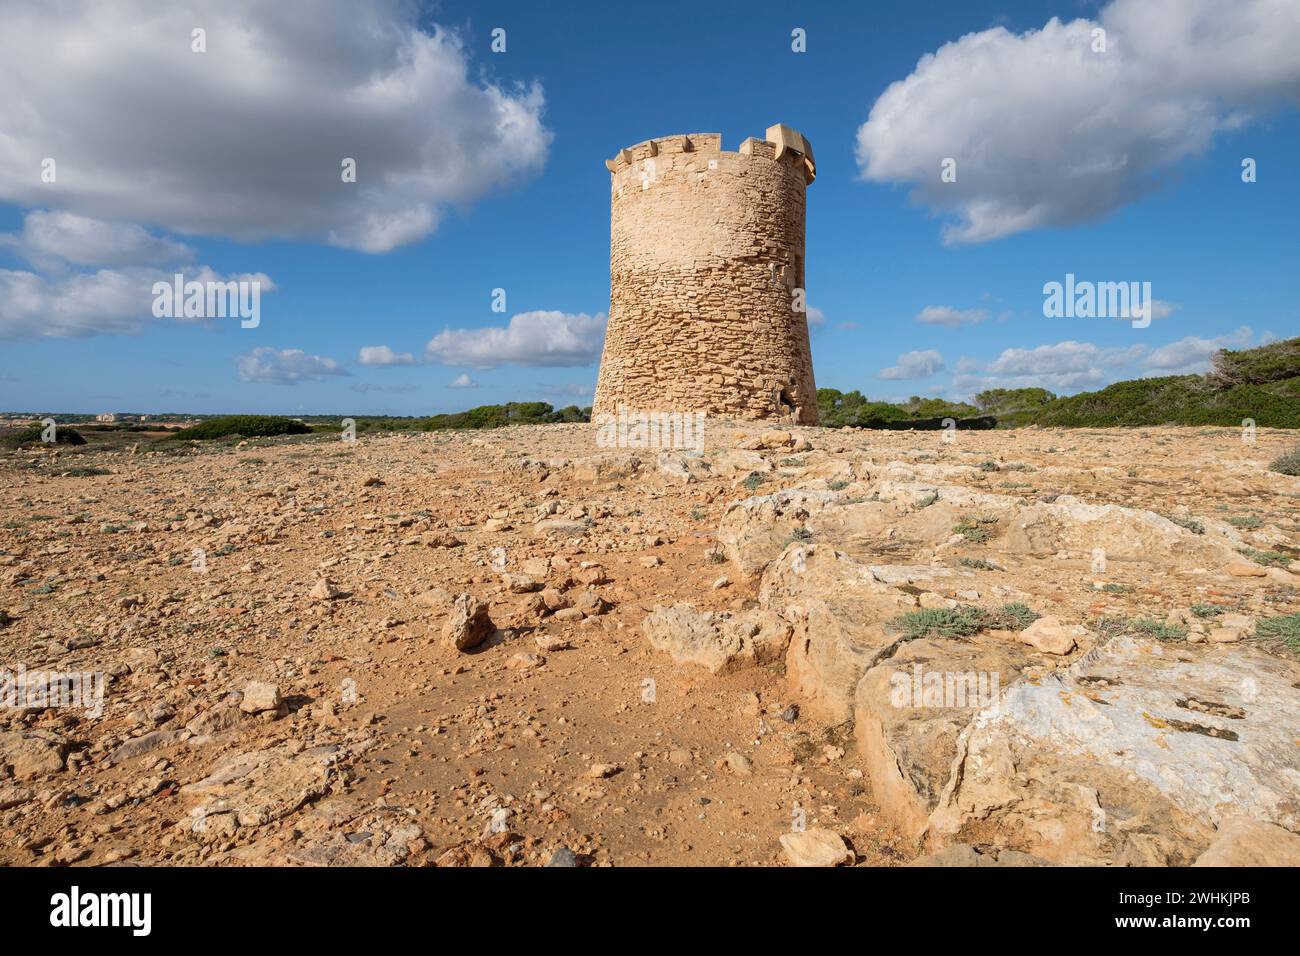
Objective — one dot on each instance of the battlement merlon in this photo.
(780, 139)
(785, 138)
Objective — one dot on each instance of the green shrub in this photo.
(1261, 384)
(1258, 366)
(511, 413)
(30, 436)
(244, 426)
(1179, 400)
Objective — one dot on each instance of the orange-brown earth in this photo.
(269, 619)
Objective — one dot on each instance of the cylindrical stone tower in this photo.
(707, 306)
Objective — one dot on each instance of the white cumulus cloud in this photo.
(52, 238)
(90, 303)
(285, 366)
(1061, 366)
(919, 364)
(462, 381)
(949, 317)
(381, 355)
(1191, 355)
(1045, 131)
(248, 139)
(531, 338)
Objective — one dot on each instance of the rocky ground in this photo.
(518, 648)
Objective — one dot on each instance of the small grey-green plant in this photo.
(1160, 630)
(798, 535)
(963, 620)
(939, 622)
(975, 530)
(1011, 617)
(1288, 463)
(1268, 558)
(1285, 628)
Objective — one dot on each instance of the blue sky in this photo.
(480, 171)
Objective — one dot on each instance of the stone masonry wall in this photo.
(706, 247)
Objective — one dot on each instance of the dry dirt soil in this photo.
(270, 620)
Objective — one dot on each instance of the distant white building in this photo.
(107, 417)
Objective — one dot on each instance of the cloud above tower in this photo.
(1068, 123)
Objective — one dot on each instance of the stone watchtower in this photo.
(706, 271)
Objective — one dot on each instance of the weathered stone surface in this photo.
(324, 590)
(31, 754)
(519, 583)
(815, 847)
(1050, 636)
(1242, 841)
(719, 643)
(259, 696)
(681, 467)
(12, 795)
(1133, 754)
(964, 855)
(690, 636)
(468, 623)
(839, 610)
(754, 531)
(910, 709)
(263, 786)
(147, 743)
(215, 719)
(381, 843)
(1123, 534)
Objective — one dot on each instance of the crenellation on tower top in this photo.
(779, 140)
